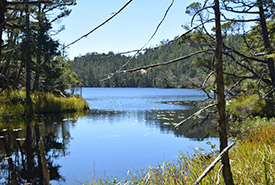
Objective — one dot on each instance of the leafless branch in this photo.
(245, 66)
(207, 78)
(195, 27)
(31, 2)
(239, 20)
(87, 34)
(243, 55)
(159, 64)
(242, 77)
(268, 93)
(240, 11)
(156, 30)
(193, 17)
(196, 113)
(176, 39)
(218, 176)
(212, 165)
(234, 85)
(243, 6)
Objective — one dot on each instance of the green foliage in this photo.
(94, 67)
(13, 104)
(49, 103)
(193, 8)
(50, 70)
(245, 106)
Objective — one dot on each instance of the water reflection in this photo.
(116, 135)
(29, 149)
(196, 129)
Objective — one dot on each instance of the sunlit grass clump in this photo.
(245, 106)
(49, 103)
(13, 104)
(252, 162)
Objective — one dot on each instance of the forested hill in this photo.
(93, 67)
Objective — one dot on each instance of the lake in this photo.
(126, 129)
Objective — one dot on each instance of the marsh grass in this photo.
(252, 162)
(13, 104)
(245, 106)
(49, 103)
(254, 158)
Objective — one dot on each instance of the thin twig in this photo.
(207, 78)
(31, 2)
(87, 34)
(268, 93)
(196, 113)
(204, 8)
(195, 27)
(212, 165)
(218, 180)
(155, 32)
(174, 40)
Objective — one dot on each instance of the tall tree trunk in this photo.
(227, 175)
(28, 56)
(3, 4)
(38, 57)
(270, 61)
(270, 104)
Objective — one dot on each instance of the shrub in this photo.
(246, 106)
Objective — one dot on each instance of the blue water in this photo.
(123, 132)
(133, 99)
(126, 129)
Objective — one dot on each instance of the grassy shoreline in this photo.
(13, 104)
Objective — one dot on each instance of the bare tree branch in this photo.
(87, 34)
(195, 27)
(207, 78)
(239, 20)
(212, 165)
(234, 85)
(196, 113)
(157, 64)
(31, 2)
(193, 17)
(230, 9)
(268, 93)
(176, 39)
(242, 77)
(156, 30)
(243, 55)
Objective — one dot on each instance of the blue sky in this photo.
(130, 30)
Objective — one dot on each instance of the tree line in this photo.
(92, 69)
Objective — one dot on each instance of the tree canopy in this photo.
(28, 50)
